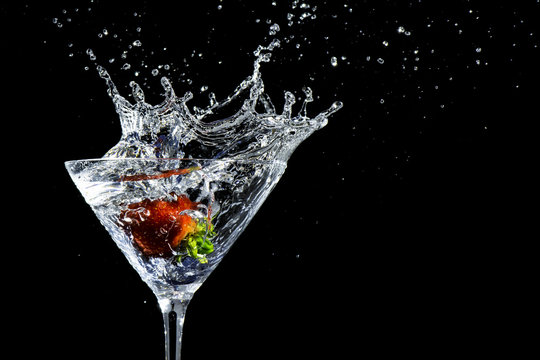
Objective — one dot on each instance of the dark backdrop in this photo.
(388, 234)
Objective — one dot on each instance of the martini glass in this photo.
(174, 219)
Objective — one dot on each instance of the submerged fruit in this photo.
(159, 226)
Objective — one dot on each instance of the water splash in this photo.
(226, 157)
(254, 130)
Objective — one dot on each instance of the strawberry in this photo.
(159, 226)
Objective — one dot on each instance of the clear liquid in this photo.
(228, 191)
(243, 144)
(254, 129)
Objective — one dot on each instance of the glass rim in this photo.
(95, 160)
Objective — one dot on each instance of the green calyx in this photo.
(198, 244)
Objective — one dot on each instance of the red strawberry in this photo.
(158, 226)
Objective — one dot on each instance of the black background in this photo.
(387, 235)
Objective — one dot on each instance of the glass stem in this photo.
(174, 312)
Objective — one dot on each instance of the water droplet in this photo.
(380, 61)
(155, 72)
(333, 61)
(274, 29)
(91, 54)
(126, 66)
(385, 43)
(401, 30)
(137, 43)
(478, 50)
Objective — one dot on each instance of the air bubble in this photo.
(334, 61)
